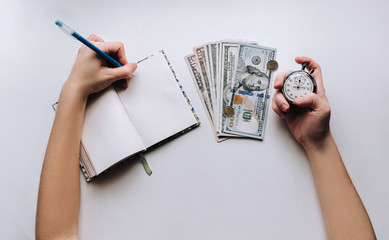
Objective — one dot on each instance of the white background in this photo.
(238, 189)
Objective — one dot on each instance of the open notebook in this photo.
(119, 123)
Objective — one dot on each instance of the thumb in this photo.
(114, 74)
(310, 100)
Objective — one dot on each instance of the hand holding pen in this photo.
(92, 74)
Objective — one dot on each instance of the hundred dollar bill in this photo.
(229, 54)
(250, 91)
(210, 78)
(202, 67)
(226, 61)
(211, 51)
(192, 65)
(217, 82)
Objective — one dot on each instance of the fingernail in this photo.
(284, 107)
(125, 83)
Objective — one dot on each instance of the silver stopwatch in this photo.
(298, 84)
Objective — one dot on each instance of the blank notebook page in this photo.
(155, 102)
(108, 135)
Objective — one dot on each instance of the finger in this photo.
(311, 64)
(122, 83)
(277, 110)
(317, 75)
(116, 50)
(279, 81)
(280, 101)
(310, 100)
(95, 38)
(114, 74)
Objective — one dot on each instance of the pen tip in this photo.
(58, 23)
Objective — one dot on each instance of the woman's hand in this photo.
(90, 74)
(309, 119)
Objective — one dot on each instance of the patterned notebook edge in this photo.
(181, 88)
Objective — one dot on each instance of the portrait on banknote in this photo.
(249, 78)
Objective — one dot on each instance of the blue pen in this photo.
(66, 29)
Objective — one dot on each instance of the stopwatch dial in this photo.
(299, 80)
(297, 85)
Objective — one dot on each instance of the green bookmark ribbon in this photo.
(145, 164)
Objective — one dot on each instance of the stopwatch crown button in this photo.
(304, 64)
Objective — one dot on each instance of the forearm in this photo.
(344, 214)
(59, 192)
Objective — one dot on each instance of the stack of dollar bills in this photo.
(233, 80)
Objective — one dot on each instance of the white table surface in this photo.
(238, 189)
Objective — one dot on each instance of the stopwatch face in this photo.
(299, 80)
(298, 84)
